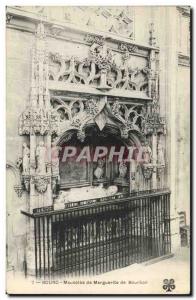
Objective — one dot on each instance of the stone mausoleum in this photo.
(89, 77)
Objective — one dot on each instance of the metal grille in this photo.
(102, 237)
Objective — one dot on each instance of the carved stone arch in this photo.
(18, 186)
(10, 165)
(135, 137)
(66, 136)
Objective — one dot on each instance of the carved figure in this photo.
(122, 169)
(160, 154)
(26, 159)
(146, 153)
(41, 158)
(55, 158)
(99, 171)
(85, 193)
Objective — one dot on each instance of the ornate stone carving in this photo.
(102, 56)
(128, 47)
(152, 122)
(25, 122)
(19, 190)
(91, 39)
(40, 32)
(26, 182)
(54, 122)
(152, 39)
(147, 170)
(16, 169)
(99, 70)
(81, 135)
(75, 114)
(103, 59)
(19, 164)
(129, 117)
(41, 183)
(56, 30)
(38, 121)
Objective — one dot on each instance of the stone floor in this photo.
(141, 278)
(134, 279)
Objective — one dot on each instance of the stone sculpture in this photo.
(55, 159)
(99, 171)
(41, 158)
(26, 159)
(84, 193)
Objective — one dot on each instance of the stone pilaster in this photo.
(170, 60)
(40, 139)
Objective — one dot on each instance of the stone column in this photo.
(40, 132)
(168, 93)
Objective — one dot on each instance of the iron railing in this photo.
(102, 236)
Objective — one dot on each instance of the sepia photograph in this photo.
(98, 150)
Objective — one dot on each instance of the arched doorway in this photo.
(87, 165)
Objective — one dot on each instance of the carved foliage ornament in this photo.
(98, 70)
(19, 190)
(128, 116)
(128, 47)
(91, 39)
(41, 183)
(38, 121)
(102, 56)
(75, 114)
(153, 123)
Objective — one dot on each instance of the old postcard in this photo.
(98, 150)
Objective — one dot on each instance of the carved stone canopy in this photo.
(75, 114)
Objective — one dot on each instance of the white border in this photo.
(4, 3)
